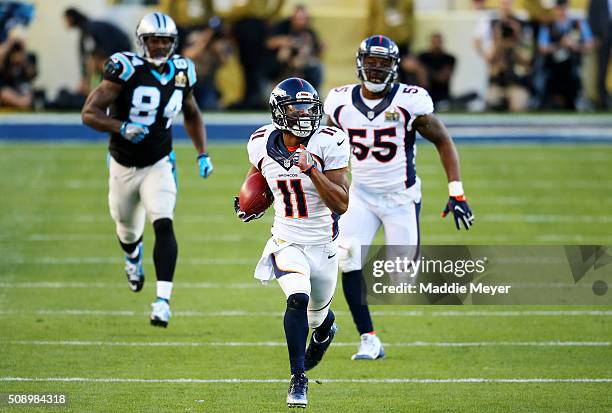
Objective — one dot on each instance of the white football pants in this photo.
(365, 214)
(138, 192)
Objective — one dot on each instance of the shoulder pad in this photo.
(415, 99)
(256, 146)
(184, 63)
(119, 67)
(328, 130)
(336, 97)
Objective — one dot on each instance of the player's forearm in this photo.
(333, 195)
(99, 120)
(432, 129)
(450, 159)
(196, 131)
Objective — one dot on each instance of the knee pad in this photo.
(298, 301)
(349, 254)
(316, 318)
(127, 235)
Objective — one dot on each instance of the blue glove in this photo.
(133, 132)
(461, 211)
(205, 165)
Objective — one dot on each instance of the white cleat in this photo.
(370, 348)
(161, 313)
(134, 270)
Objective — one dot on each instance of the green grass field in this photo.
(68, 322)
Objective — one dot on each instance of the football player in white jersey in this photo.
(381, 118)
(305, 166)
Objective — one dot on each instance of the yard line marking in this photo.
(185, 285)
(245, 313)
(566, 238)
(119, 260)
(111, 237)
(230, 218)
(326, 380)
(227, 286)
(282, 343)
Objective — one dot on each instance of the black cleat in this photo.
(298, 389)
(315, 351)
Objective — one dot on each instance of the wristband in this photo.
(455, 188)
(308, 171)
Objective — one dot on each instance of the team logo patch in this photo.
(392, 116)
(180, 80)
(304, 95)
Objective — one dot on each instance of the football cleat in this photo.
(298, 389)
(315, 351)
(370, 348)
(134, 270)
(160, 316)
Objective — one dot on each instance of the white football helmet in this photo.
(156, 25)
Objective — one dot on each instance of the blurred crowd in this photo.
(533, 61)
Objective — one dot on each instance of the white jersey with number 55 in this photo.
(300, 215)
(381, 134)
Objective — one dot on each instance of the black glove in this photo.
(461, 211)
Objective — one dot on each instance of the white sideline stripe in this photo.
(339, 380)
(282, 343)
(243, 313)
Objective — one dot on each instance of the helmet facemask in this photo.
(376, 72)
(300, 117)
(155, 57)
(377, 63)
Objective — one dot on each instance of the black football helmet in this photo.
(296, 107)
(377, 77)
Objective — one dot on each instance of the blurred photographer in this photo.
(562, 43)
(509, 60)
(17, 72)
(297, 48)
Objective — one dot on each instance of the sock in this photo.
(353, 285)
(165, 250)
(164, 290)
(131, 249)
(321, 333)
(296, 330)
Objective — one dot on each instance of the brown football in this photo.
(255, 195)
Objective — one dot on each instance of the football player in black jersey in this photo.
(136, 102)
